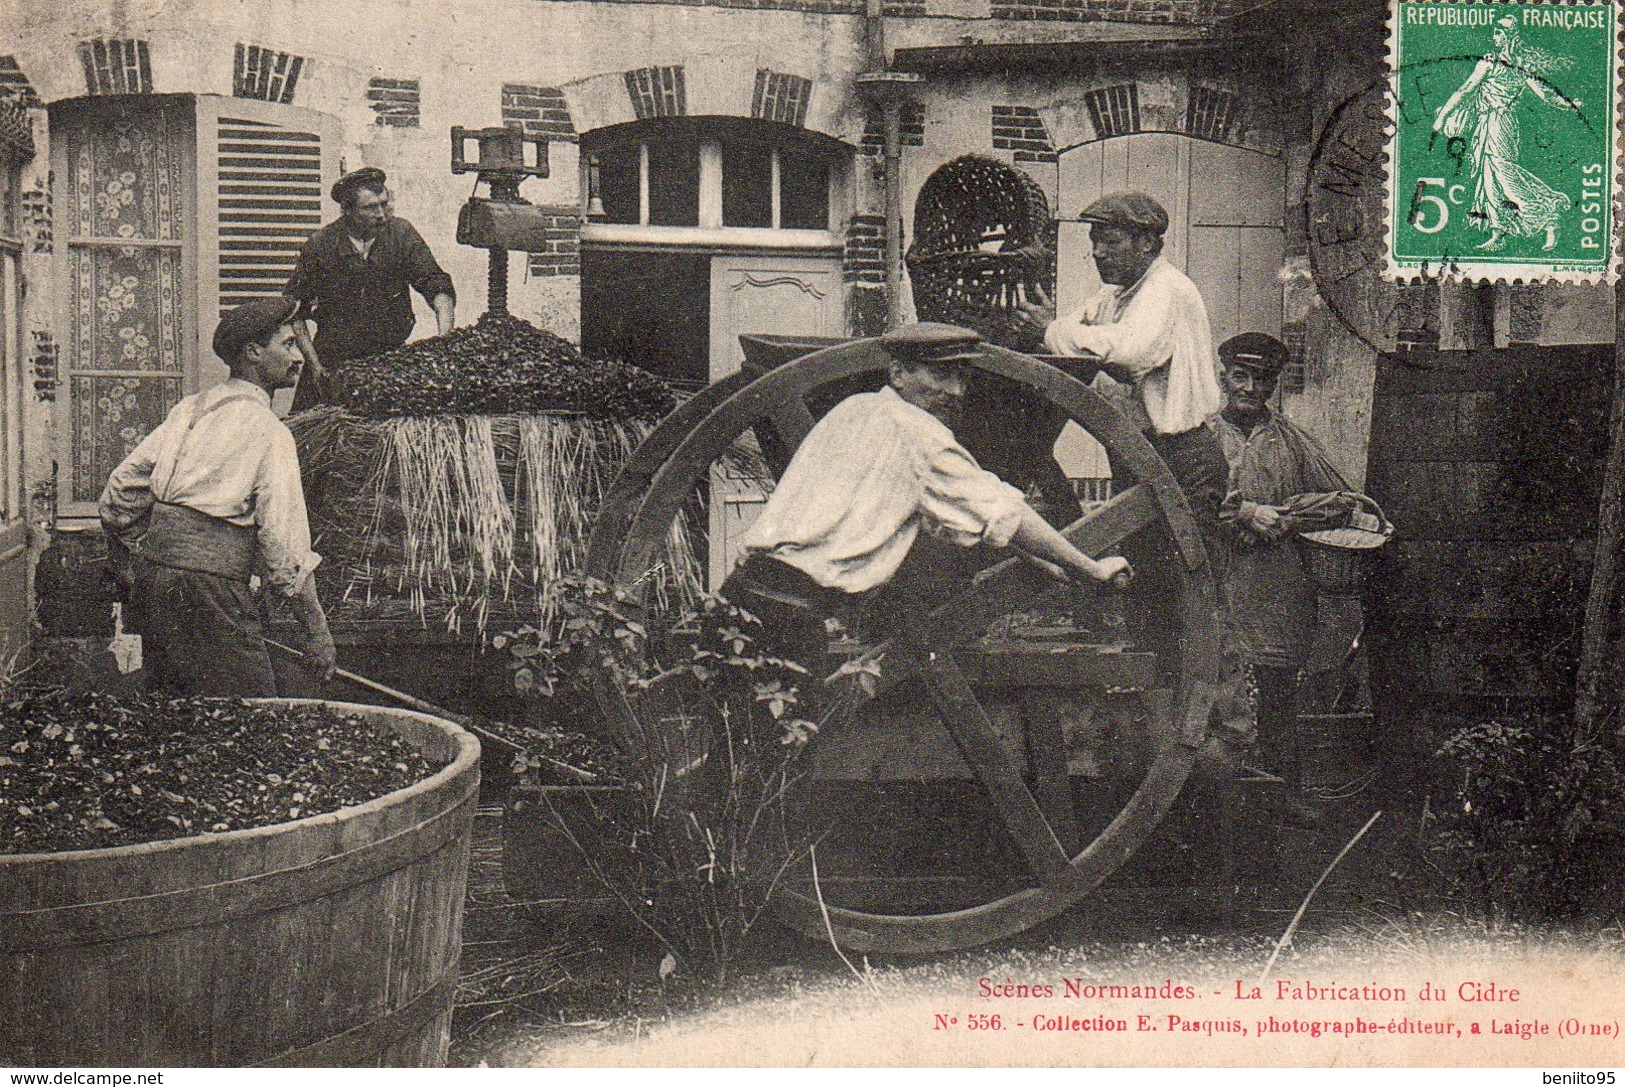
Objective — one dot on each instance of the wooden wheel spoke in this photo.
(1100, 532)
(990, 759)
(1106, 528)
(1052, 786)
(1004, 586)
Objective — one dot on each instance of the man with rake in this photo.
(210, 500)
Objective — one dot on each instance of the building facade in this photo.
(716, 168)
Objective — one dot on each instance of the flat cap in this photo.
(931, 341)
(1257, 351)
(1128, 210)
(251, 322)
(345, 188)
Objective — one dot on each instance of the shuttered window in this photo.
(270, 202)
(264, 170)
(175, 209)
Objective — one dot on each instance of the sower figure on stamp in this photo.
(871, 476)
(355, 276)
(207, 501)
(1282, 483)
(1508, 198)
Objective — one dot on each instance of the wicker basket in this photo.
(1336, 571)
(983, 239)
(1336, 559)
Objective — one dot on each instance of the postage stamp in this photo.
(1503, 155)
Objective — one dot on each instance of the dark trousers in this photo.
(200, 634)
(1195, 458)
(1278, 722)
(792, 608)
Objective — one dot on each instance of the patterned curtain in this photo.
(127, 217)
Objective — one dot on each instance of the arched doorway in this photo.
(1226, 208)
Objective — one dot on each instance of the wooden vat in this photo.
(327, 941)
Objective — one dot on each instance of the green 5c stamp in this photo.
(1503, 154)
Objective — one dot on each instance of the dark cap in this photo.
(1257, 351)
(346, 187)
(932, 342)
(1128, 210)
(250, 323)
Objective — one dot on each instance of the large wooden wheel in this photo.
(1055, 855)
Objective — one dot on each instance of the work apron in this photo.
(192, 604)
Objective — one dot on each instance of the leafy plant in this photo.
(708, 729)
(1538, 827)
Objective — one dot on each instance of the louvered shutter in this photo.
(263, 174)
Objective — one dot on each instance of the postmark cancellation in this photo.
(1503, 147)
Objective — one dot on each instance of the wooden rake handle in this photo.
(422, 706)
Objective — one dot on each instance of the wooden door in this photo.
(775, 295)
(1225, 213)
(772, 295)
(1235, 244)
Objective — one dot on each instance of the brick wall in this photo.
(780, 96)
(398, 103)
(563, 255)
(658, 92)
(863, 266)
(270, 75)
(864, 260)
(1142, 11)
(37, 220)
(911, 126)
(116, 66)
(537, 111)
(1020, 129)
(47, 366)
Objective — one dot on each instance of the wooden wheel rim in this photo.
(660, 474)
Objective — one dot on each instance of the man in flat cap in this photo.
(870, 476)
(354, 277)
(1279, 474)
(209, 500)
(1149, 328)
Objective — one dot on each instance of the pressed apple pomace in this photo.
(87, 771)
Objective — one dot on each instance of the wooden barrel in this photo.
(327, 941)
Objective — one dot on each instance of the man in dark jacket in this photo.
(1276, 468)
(354, 277)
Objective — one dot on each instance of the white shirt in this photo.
(869, 476)
(223, 452)
(1158, 331)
